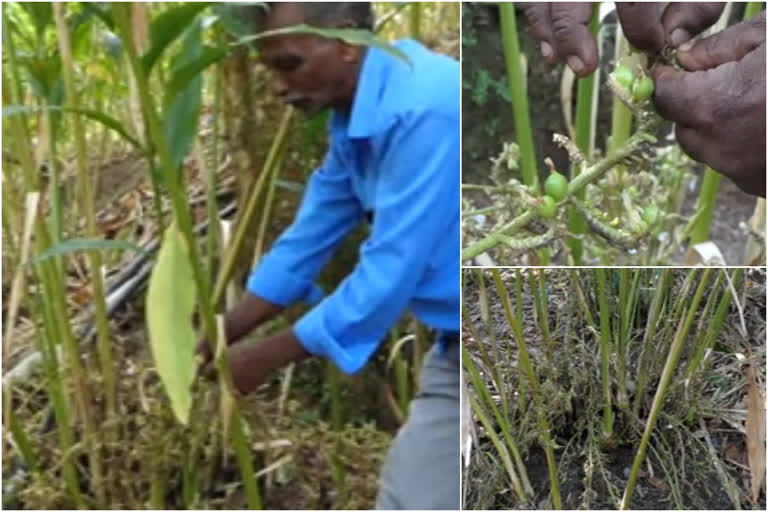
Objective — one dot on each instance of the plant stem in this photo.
(268, 202)
(533, 382)
(243, 454)
(122, 15)
(649, 337)
(666, 377)
(586, 112)
(100, 305)
(605, 352)
(504, 421)
(230, 257)
(519, 94)
(621, 126)
(415, 20)
(212, 166)
(491, 241)
(715, 324)
(705, 206)
(337, 422)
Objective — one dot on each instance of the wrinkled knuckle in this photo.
(562, 28)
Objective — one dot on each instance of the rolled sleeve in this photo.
(416, 205)
(329, 211)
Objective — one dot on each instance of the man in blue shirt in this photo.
(393, 159)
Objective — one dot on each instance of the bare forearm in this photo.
(249, 313)
(252, 363)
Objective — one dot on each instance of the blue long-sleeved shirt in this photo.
(396, 155)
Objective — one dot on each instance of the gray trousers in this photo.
(422, 468)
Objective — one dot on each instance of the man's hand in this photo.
(718, 102)
(249, 313)
(250, 364)
(562, 30)
(650, 26)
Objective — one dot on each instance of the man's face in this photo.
(311, 73)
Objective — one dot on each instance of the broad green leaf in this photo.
(170, 303)
(232, 19)
(41, 14)
(86, 244)
(101, 11)
(354, 36)
(110, 122)
(167, 27)
(184, 75)
(183, 111)
(44, 75)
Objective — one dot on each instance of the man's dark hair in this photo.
(323, 14)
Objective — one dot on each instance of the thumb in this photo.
(730, 45)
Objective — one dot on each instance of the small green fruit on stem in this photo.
(623, 75)
(556, 185)
(547, 208)
(642, 89)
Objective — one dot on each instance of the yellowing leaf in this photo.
(755, 429)
(170, 303)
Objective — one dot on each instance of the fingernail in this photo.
(679, 36)
(686, 46)
(546, 49)
(575, 64)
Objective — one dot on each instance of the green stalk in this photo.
(649, 337)
(586, 112)
(55, 385)
(716, 322)
(621, 127)
(542, 315)
(18, 434)
(54, 186)
(337, 422)
(122, 15)
(496, 364)
(415, 20)
(622, 338)
(55, 388)
(752, 8)
(666, 377)
(491, 241)
(95, 259)
(56, 297)
(211, 167)
(519, 94)
(230, 257)
(605, 352)
(533, 382)
(503, 420)
(20, 133)
(522, 392)
(268, 203)
(500, 448)
(243, 454)
(705, 206)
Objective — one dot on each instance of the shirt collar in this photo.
(371, 84)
